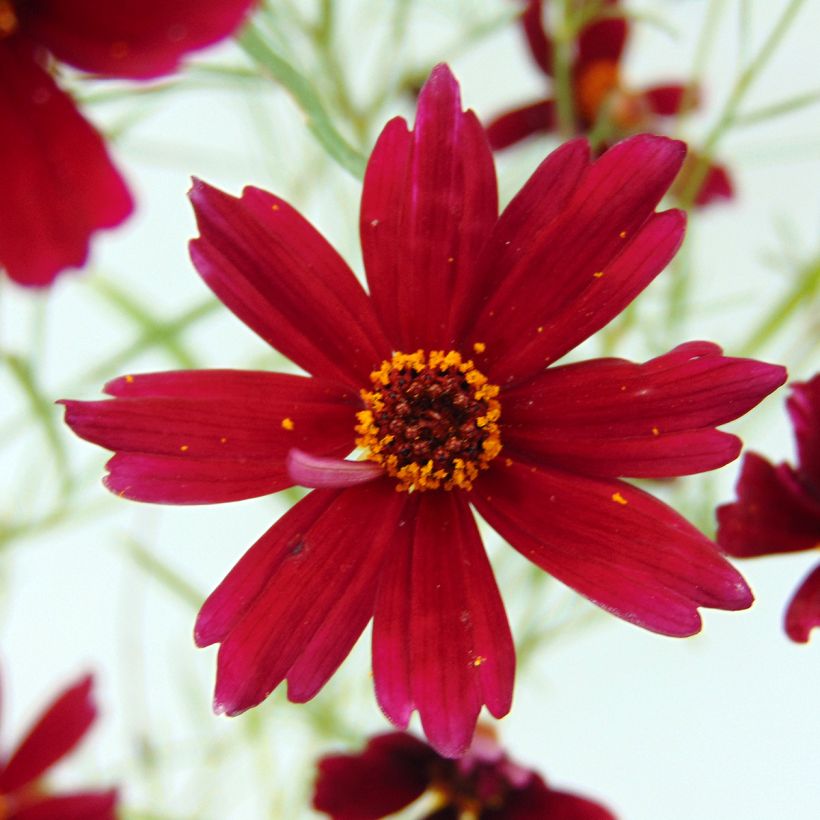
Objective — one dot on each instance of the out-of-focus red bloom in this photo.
(59, 729)
(431, 375)
(599, 93)
(58, 183)
(778, 508)
(395, 770)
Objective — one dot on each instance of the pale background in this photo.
(723, 726)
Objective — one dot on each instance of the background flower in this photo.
(778, 508)
(58, 183)
(23, 795)
(395, 770)
(602, 103)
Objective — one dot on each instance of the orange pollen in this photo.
(8, 19)
(431, 420)
(597, 81)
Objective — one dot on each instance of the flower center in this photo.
(431, 420)
(8, 19)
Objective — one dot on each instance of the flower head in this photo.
(778, 508)
(602, 101)
(396, 770)
(55, 734)
(438, 377)
(57, 179)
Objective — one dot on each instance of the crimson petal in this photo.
(620, 547)
(280, 276)
(666, 100)
(717, 185)
(460, 652)
(528, 216)
(611, 417)
(208, 436)
(537, 801)
(584, 266)
(304, 587)
(516, 125)
(139, 39)
(803, 613)
(532, 19)
(768, 516)
(428, 204)
(804, 409)
(58, 182)
(59, 729)
(390, 773)
(82, 806)
(603, 40)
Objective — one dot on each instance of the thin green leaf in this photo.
(146, 320)
(45, 413)
(804, 292)
(777, 109)
(166, 577)
(318, 120)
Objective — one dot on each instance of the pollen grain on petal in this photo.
(619, 499)
(287, 423)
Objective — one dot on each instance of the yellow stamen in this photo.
(436, 367)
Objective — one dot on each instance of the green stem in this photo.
(730, 111)
(318, 121)
(804, 292)
(562, 42)
(167, 577)
(45, 412)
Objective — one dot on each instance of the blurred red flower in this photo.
(778, 508)
(431, 375)
(600, 94)
(59, 729)
(394, 770)
(58, 182)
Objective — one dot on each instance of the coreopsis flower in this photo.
(58, 182)
(437, 377)
(778, 508)
(599, 92)
(396, 770)
(23, 795)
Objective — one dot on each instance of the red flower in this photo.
(778, 508)
(396, 769)
(598, 89)
(58, 182)
(476, 305)
(60, 728)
